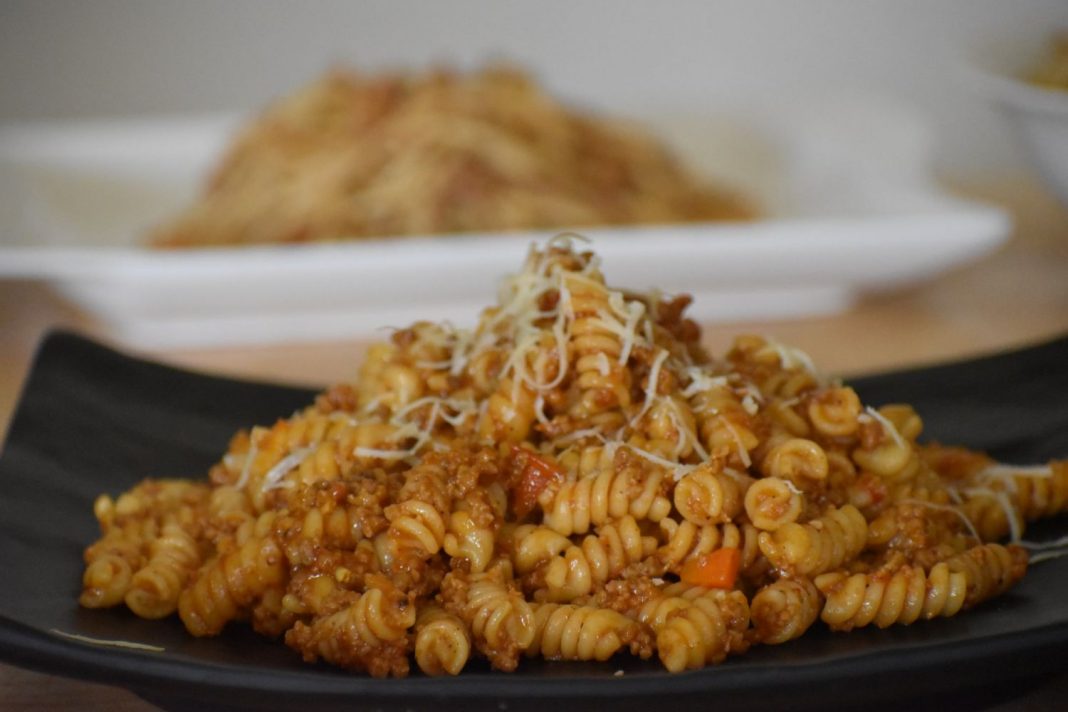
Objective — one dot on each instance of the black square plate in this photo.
(92, 420)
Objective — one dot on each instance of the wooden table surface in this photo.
(1015, 297)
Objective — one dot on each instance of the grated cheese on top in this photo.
(743, 454)
(1002, 498)
(888, 427)
(130, 645)
(253, 450)
(284, 466)
(793, 357)
(678, 469)
(651, 384)
(701, 381)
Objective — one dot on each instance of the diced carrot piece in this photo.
(717, 569)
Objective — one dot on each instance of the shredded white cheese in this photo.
(677, 469)
(602, 364)
(1003, 500)
(792, 487)
(888, 427)
(792, 357)
(1043, 545)
(435, 365)
(701, 381)
(749, 404)
(651, 384)
(249, 457)
(632, 314)
(1047, 555)
(575, 435)
(110, 643)
(274, 475)
(381, 454)
(539, 409)
(462, 409)
(686, 434)
(1007, 474)
(372, 405)
(743, 454)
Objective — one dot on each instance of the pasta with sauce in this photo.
(358, 156)
(576, 478)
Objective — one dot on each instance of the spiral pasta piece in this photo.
(771, 503)
(798, 460)
(228, 508)
(417, 522)
(573, 507)
(834, 412)
(509, 413)
(534, 545)
(416, 528)
(473, 526)
(154, 589)
(600, 557)
(785, 609)
(819, 545)
(368, 635)
(500, 621)
(905, 420)
(105, 581)
(131, 527)
(990, 569)
(595, 348)
(229, 584)
(883, 450)
(789, 384)
(703, 632)
(1044, 495)
(726, 428)
(655, 612)
(884, 598)
(999, 499)
(708, 497)
(111, 562)
(468, 540)
(569, 632)
(442, 641)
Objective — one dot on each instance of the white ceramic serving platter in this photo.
(844, 187)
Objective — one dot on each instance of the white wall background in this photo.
(69, 58)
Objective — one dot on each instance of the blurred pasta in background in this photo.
(354, 155)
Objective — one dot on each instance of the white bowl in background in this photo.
(1038, 115)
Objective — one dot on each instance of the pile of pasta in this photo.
(573, 479)
(353, 156)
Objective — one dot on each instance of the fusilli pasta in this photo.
(575, 479)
